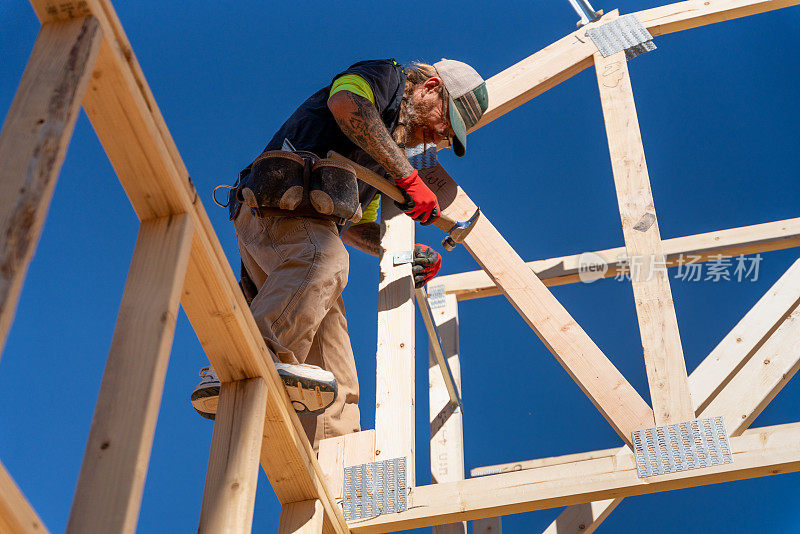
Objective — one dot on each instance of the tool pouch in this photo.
(334, 190)
(276, 180)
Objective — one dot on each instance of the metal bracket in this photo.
(423, 156)
(680, 447)
(437, 346)
(436, 296)
(625, 33)
(403, 257)
(375, 489)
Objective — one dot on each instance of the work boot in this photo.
(311, 389)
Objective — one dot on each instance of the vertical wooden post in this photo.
(344, 451)
(658, 324)
(230, 492)
(447, 433)
(17, 516)
(394, 392)
(304, 517)
(33, 142)
(488, 525)
(112, 476)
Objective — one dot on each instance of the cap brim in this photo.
(459, 129)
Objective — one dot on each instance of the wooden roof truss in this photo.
(82, 57)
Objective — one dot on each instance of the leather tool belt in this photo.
(297, 184)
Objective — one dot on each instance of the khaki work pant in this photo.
(300, 267)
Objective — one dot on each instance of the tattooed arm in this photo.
(359, 120)
(365, 237)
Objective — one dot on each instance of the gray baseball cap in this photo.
(468, 98)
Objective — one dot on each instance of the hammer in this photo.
(456, 230)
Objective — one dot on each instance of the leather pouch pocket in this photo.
(334, 190)
(276, 180)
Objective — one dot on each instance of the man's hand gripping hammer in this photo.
(456, 230)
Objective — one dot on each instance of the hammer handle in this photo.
(388, 188)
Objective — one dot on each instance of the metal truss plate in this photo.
(625, 33)
(680, 447)
(403, 257)
(422, 156)
(375, 489)
(436, 295)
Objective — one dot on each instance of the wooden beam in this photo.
(33, 143)
(759, 452)
(543, 462)
(582, 518)
(571, 54)
(17, 516)
(230, 491)
(741, 375)
(761, 378)
(655, 309)
(447, 432)
(697, 248)
(344, 451)
(394, 386)
(487, 525)
(130, 127)
(748, 336)
(605, 386)
(694, 13)
(118, 449)
(303, 517)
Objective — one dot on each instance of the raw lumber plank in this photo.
(344, 451)
(132, 131)
(33, 143)
(758, 452)
(487, 525)
(655, 309)
(571, 54)
(118, 449)
(232, 475)
(694, 13)
(761, 378)
(608, 390)
(17, 516)
(537, 73)
(543, 462)
(724, 362)
(447, 431)
(582, 518)
(303, 517)
(394, 388)
(697, 248)
(741, 375)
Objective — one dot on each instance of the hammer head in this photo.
(459, 231)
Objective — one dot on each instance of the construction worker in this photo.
(294, 263)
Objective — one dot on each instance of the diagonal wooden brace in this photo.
(594, 373)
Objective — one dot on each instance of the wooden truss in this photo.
(82, 57)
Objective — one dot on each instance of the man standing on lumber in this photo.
(294, 210)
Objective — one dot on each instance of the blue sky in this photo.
(719, 118)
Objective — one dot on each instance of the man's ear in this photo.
(433, 85)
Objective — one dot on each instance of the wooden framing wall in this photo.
(82, 56)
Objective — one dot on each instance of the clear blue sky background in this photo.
(719, 116)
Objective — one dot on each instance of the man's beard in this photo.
(415, 113)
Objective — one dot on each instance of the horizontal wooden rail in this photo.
(697, 248)
(758, 452)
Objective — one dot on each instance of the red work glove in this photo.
(421, 204)
(425, 265)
